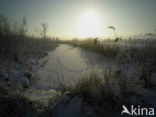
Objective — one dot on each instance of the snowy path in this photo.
(65, 64)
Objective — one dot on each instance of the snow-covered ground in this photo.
(67, 64)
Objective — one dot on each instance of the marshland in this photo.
(43, 74)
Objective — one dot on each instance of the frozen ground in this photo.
(66, 64)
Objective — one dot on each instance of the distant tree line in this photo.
(18, 28)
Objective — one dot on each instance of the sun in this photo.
(89, 25)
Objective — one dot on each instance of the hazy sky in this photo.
(63, 16)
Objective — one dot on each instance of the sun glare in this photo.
(89, 25)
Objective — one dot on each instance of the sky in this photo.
(80, 18)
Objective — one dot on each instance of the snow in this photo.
(66, 64)
(73, 107)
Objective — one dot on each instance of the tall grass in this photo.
(109, 51)
(137, 51)
(17, 50)
(108, 92)
(26, 47)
